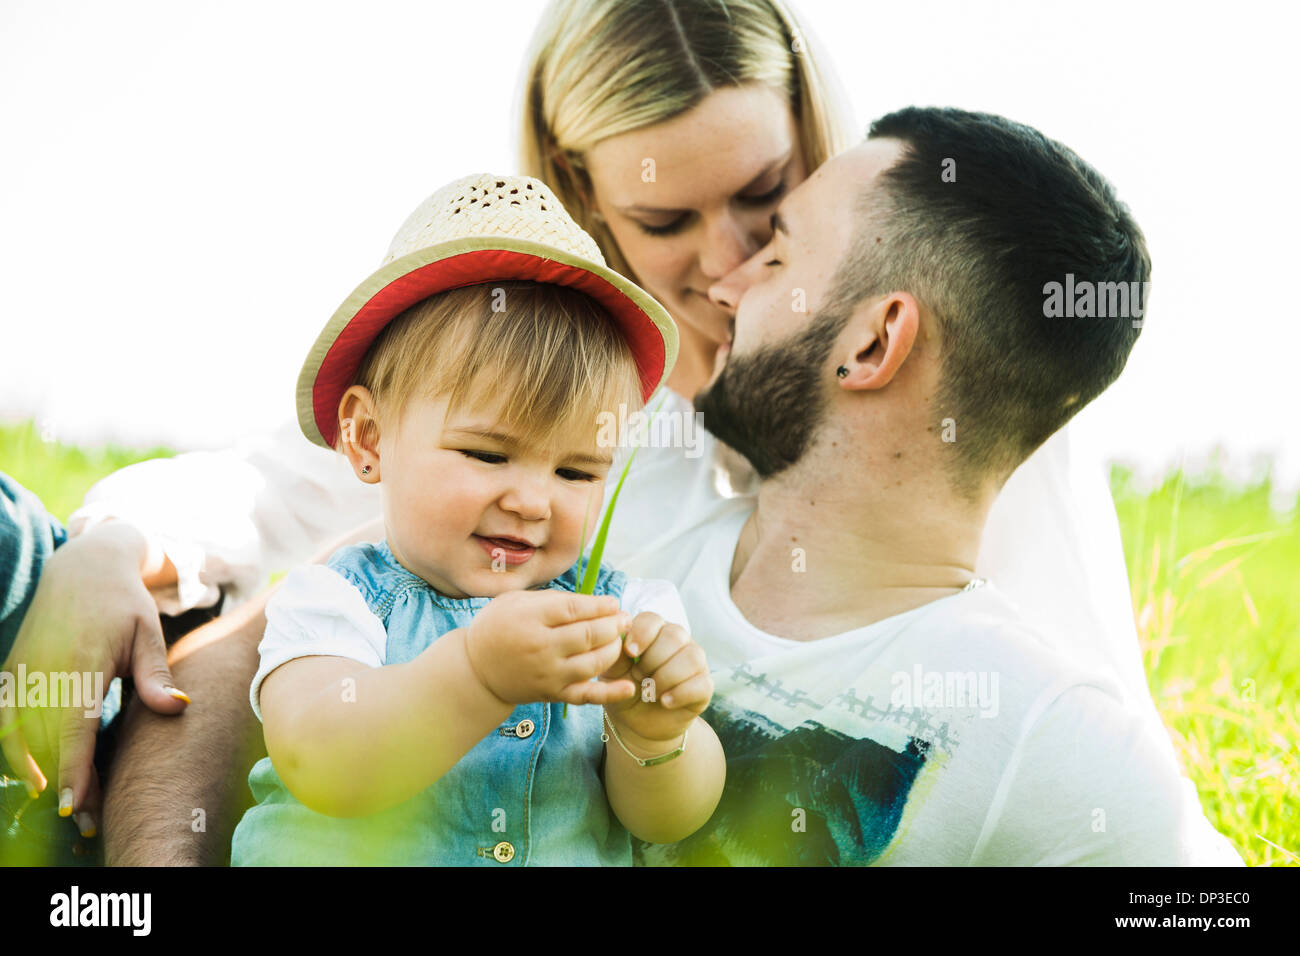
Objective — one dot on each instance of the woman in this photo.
(730, 114)
(670, 130)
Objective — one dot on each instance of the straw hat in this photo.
(482, 228)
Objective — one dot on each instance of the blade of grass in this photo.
(590, 566)
(592, 570)
(582, 550)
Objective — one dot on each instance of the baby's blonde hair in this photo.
(550, 355)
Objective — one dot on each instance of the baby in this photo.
(413, 692)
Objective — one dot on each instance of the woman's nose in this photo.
(727, 244)
(726, 292)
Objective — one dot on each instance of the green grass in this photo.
(61, 474)
(1213, 572)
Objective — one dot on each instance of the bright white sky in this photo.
(188, 190)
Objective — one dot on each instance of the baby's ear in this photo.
(359, 432)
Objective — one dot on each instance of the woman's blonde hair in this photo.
(551, 356)
(599, 68)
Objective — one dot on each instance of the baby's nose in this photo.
(528, 501)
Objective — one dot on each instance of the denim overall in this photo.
(530, 793)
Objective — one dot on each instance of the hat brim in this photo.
(333, 361)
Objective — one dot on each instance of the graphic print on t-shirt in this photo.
(808, 794)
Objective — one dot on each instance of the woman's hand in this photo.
(91, 616)
(527, 646)
(672, 680)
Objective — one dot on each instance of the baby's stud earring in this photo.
(842, 372)
(366, 469)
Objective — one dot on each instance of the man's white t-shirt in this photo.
(947, 735)
(951, 734)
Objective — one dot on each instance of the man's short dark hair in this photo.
(976, 220)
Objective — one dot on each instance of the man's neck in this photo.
(814, 560)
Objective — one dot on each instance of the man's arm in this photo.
(167, 770)
(178, 785)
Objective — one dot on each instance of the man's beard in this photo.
(769, 405)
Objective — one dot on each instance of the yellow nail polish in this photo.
(179, 694)
(65, 802)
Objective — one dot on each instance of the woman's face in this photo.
(691, 198)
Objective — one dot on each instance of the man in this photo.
(878, 703)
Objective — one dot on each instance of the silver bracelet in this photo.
(662, 758)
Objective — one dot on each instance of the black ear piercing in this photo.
(842, 372)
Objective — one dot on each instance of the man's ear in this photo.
(359, 432)
(880, 341)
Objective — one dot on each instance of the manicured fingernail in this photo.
(632, 650)
(179, 694)
(33, 791)
(85, 824)
(65, 802)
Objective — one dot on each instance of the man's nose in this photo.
(726, 292)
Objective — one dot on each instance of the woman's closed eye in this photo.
(669, 228)
(665, 230)
(764, 199)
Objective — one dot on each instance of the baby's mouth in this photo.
(510, 544)
(511, 552)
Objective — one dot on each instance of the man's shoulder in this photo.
(1090, 784)
(1059, 769)
(985, 629)
(1086, 778)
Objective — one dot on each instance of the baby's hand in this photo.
(671, 677)
(527, 646)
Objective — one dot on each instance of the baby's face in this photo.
(454, 487)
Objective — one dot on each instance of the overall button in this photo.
(525, 728)
(504, 852)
